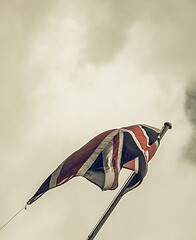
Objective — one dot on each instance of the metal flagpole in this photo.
(110, 208)
(167, 125)
(121, 192)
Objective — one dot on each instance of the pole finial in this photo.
(168, 124)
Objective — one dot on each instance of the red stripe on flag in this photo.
(74, 162)
(115, 161)
(143, 143)
(152, 150)
(139, 135)
(130, 165)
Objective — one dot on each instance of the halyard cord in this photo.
(25, 207)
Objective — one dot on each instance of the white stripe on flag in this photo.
(145, 135)
(107, 154)
(157, 144)
(153, 128)
(137, 142)
(136, 165)
(55, 174)
(96, 153)
(121, 139)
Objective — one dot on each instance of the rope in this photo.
(25, 207)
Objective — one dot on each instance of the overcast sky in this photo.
(72, 69)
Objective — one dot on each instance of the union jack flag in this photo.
(101, 159)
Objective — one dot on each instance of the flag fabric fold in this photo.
(101, 159)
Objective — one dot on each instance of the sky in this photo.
(72, 69)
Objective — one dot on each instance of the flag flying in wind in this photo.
(101, 159)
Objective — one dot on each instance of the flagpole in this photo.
(117, 198)
(167, 125)
(110, 208)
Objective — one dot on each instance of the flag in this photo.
(101, 159)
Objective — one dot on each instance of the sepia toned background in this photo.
(72, 69)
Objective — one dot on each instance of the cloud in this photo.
(190, 109)
(72, 70)
(20, 21)
(164, 29)
(105, 25)
(191, 102)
